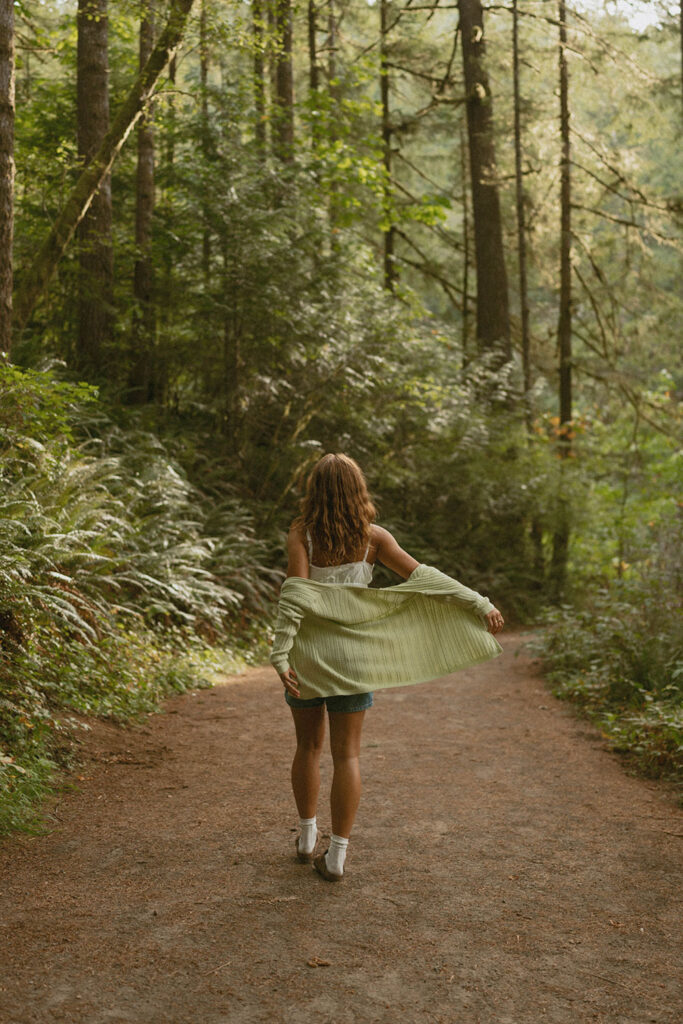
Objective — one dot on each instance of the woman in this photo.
(335, 540)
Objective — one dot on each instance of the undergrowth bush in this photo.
(115, 574)
(620, 657)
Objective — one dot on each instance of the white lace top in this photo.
(353, 574)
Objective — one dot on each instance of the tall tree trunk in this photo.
(389, 230)
(535, 528)
(521, 218)
(96, 260)
(271, 49)
(465, 252)
(313, 69)
(142, 375)
(332, 51)
(36, 279)
(257, 28)
(165, 302)
(331, 127)
(171, 122)
(205, 130)
(232, 362)
(564, 327)
(493, 317)
(284, 79)
(6, 172)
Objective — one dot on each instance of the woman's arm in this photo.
(391, 554)
(285, 630)
(297, 556)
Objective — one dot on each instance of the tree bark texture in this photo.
(564, 329)
(493, 317)
(205, 128)
(521, 218)
(257, 28)
(331, 127)
(313, 68)
(6, 172)
(535, 527)
(142, 363)
(284, 81)
(171, 129)
(165, 286)
(37, 278)
(332, 49)
(389, 231)
(232, 363)
(271, 50)
(96, 258)
(465, 252)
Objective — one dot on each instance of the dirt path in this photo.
(504, 869)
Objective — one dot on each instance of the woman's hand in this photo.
(494, 621)
(290, 682)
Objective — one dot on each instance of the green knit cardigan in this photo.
(350, 639)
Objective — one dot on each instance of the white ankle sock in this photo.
(336, 854)
(309, 835)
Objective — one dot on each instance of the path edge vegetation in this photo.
(312, 245)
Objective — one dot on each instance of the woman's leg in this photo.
(309, 724)
(345, 732)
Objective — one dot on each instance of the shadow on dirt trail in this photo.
(504, 869)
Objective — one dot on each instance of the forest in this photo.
(443, 237)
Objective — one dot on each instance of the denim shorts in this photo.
(342, 702)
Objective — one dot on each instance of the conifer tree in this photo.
(6, 172)
(493, 317)
(142, 368)
(96, 258)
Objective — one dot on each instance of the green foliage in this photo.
(24, 783)
(122, 532)
(109, 519)
(621, 656)
(101, 538)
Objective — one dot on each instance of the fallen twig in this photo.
(214, 969)
(317, 961)
(602, 977)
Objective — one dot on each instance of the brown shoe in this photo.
(321, 867)
(304, 858)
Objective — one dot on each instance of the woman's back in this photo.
(354, 574)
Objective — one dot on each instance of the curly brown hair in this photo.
(336, 509)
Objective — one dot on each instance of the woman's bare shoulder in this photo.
(381, 539)
(297, 556)
(296, 533)
(391, 554)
